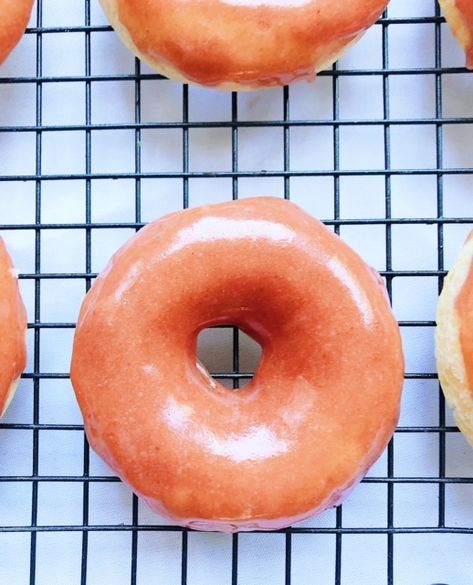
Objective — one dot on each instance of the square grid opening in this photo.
(94, 145)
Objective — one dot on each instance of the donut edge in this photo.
(10, 394)
(460, 30)
(17, 29)
(450, 360)
(110, 9)
(7, 397)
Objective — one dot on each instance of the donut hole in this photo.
(230, 355)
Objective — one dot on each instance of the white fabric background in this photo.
(418, 558)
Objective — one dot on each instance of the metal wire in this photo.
(39, 276)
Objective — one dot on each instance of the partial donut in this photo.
(240, 44)
(12, 330)
(321, 407)
(459, 15)
(454, 339)
(14, 16)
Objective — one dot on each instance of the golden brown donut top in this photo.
(14, 16)
(464, 308)
(12, 329)
(245, 41)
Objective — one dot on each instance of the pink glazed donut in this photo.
(241, 44)
(12, 330)
(321, 407)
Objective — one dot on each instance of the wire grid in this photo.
(38, 326)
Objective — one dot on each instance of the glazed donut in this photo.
(15, 15)
(12, 330)
(454, 339)
(321, 407)
(459, 15)
(240, 44)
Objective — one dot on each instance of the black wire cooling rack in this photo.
(78, 530)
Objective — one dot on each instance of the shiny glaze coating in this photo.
(14, 16)
(454, 339)
(459, 15)
(12, 330)
(324, 401)
(241, 44)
